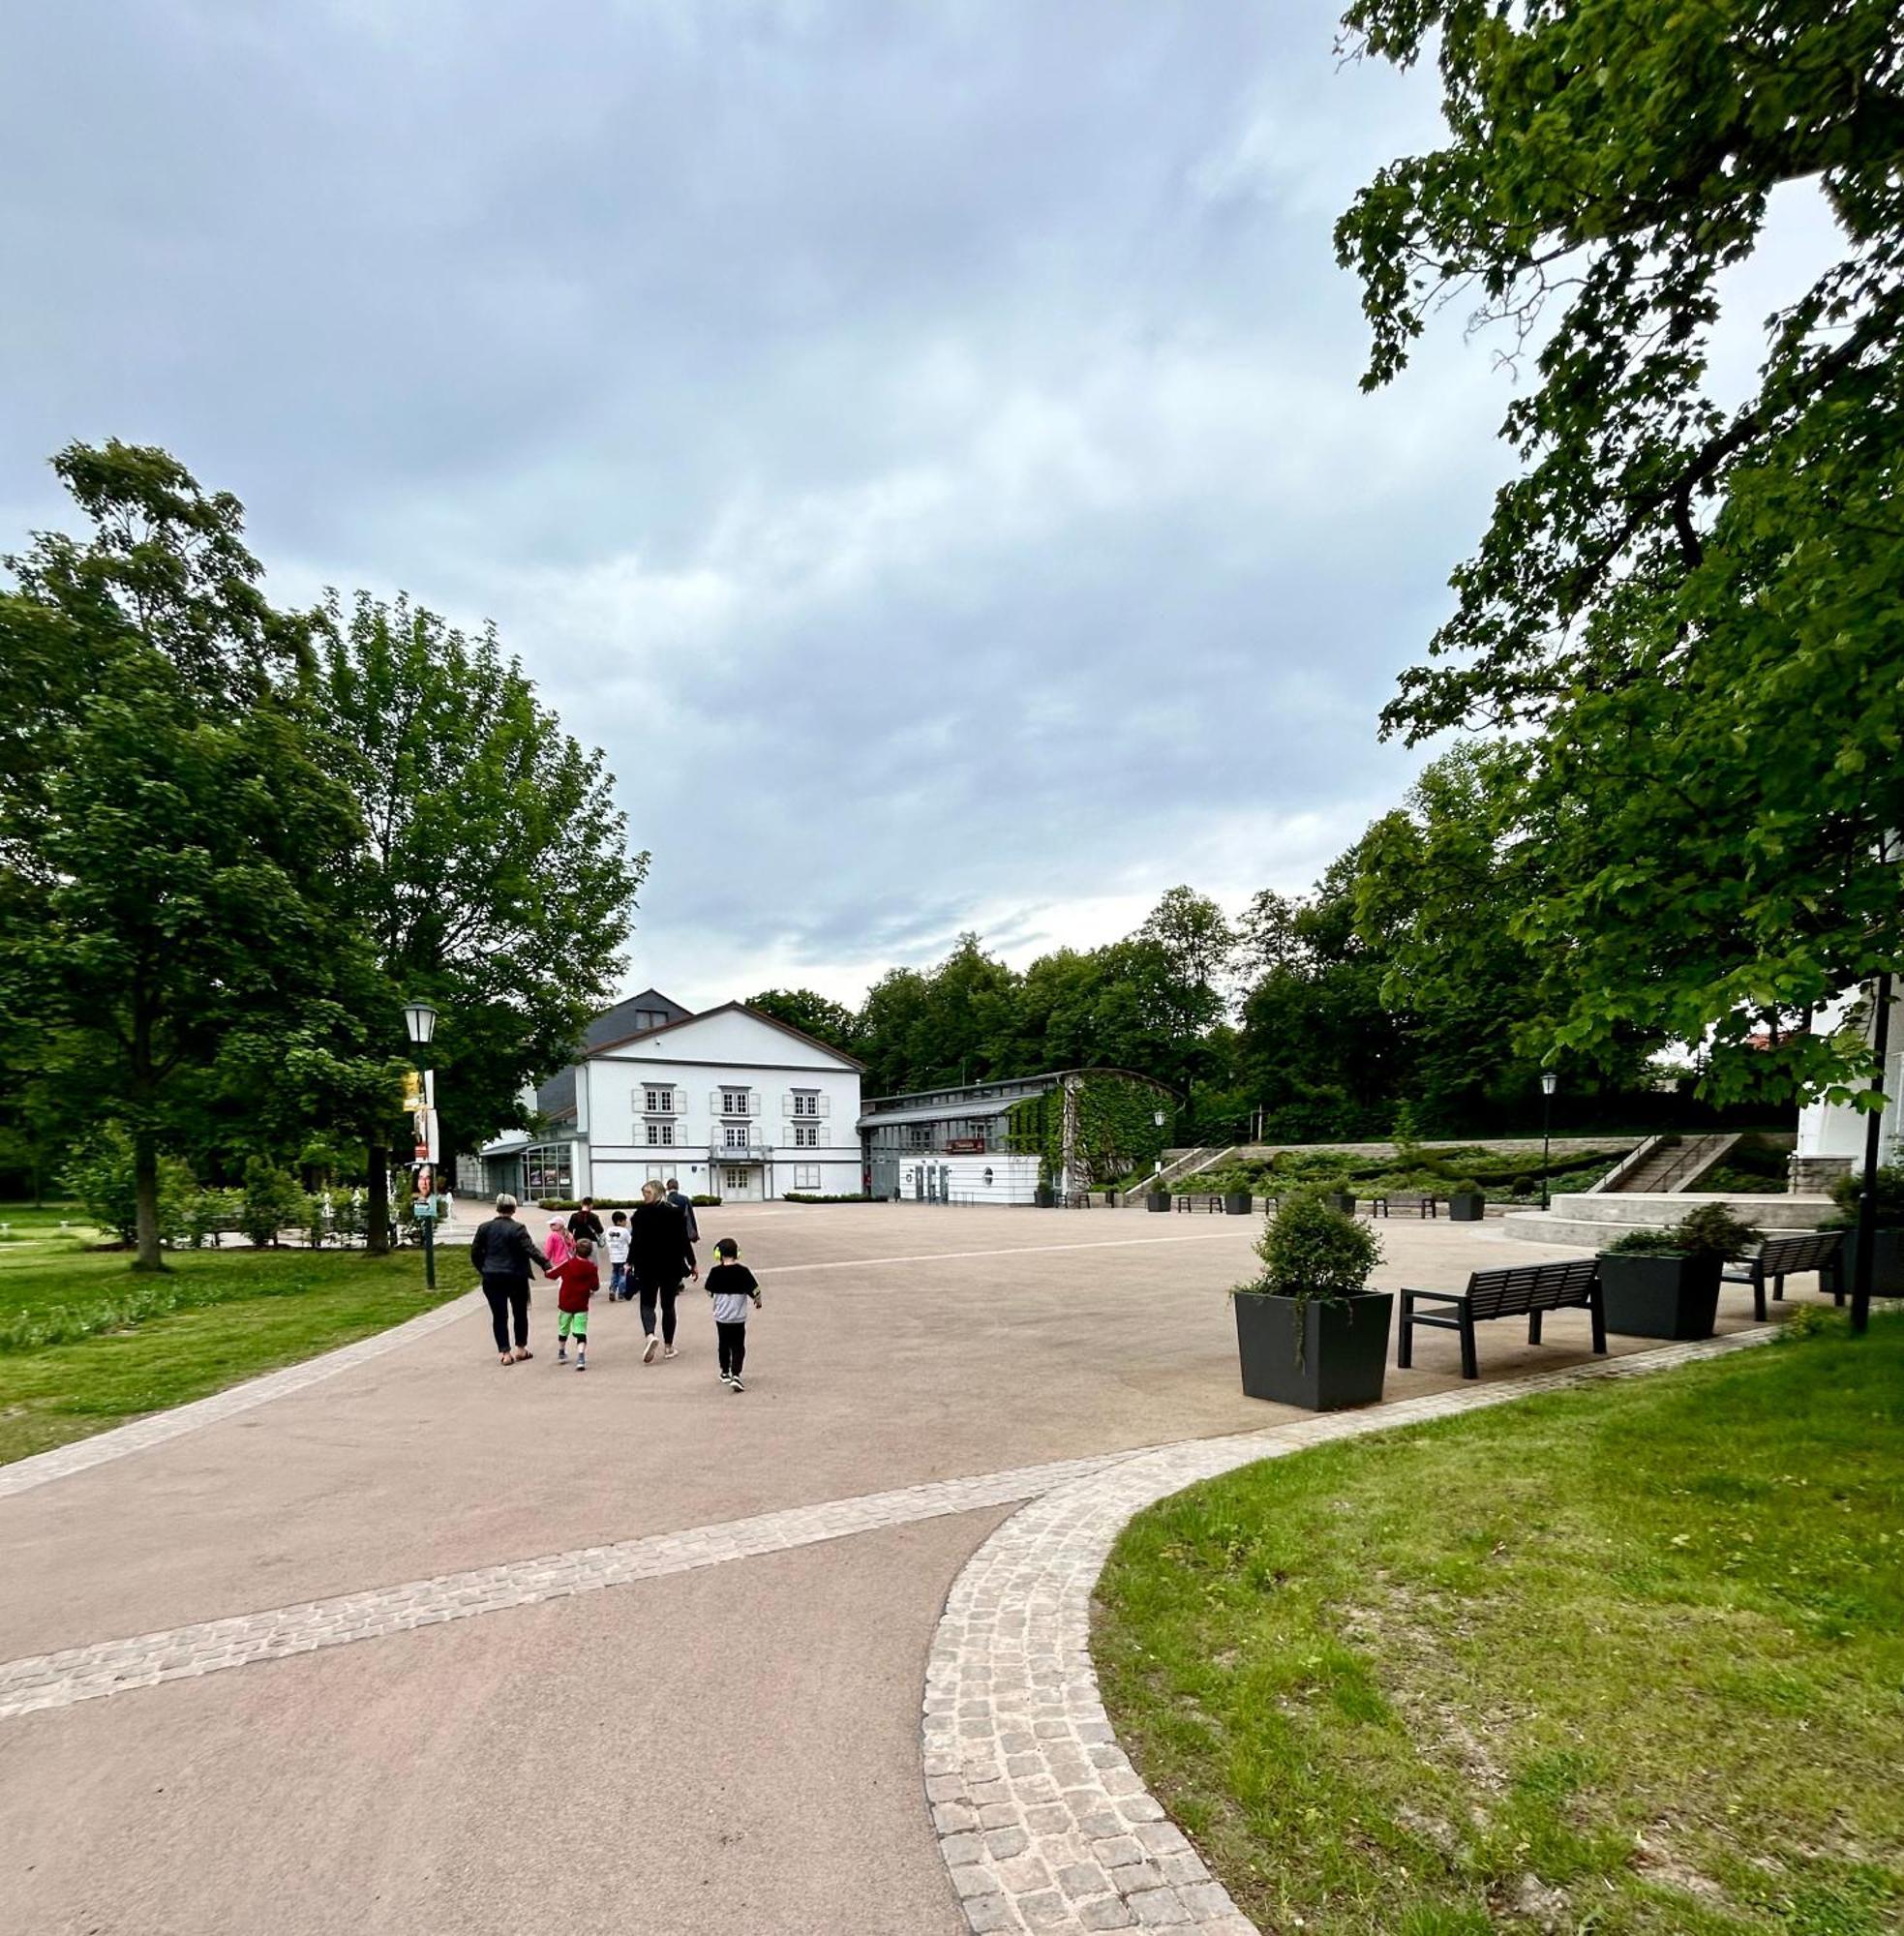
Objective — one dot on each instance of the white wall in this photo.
(1835, 1128)
(996, 1178)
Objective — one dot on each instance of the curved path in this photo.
(398, 1641)
(1041, 1820)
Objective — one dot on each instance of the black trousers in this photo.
(731, 1341)
(666, 1293)
(508, 1297)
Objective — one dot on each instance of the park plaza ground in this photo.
(735, 1746)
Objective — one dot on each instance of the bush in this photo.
(1310, 1250)
(1467, 1187)
(804, 1197)
(1886, 1200)
(705, 1203)
(102, 1179)
(272, 1201)
(1709, 1232)
(210, 1214)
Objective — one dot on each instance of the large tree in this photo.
(168, 846)
(493, 874)
(812, 1014)
(1689, 613)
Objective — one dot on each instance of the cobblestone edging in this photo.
(1041, 1820)
(83, 1454)
(38, 1681)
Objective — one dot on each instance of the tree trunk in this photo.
(377, 1200)
(145, 1203)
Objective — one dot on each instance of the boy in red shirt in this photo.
(578, 1280)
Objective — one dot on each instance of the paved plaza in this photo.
(405, 1641)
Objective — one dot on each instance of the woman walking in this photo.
(500, 1253)
(659, 1257)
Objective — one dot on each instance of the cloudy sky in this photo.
(920, 443)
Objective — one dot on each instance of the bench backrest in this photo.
(1527, 1287)
(1810, 1249)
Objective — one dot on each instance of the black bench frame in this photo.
(1425, 1206)
(1521, 1290)
(1781, 1257)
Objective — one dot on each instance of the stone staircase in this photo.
(1182, 1163)
(1666, 1165)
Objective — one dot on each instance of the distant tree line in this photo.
(1398, 981)
(235, 841)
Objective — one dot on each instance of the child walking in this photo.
(618, 1256)
(733, 1288)
(579, 1281)
(558, 1245)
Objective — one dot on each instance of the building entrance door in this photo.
(739, 1183)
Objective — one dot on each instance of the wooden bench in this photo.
(1522, 1290)
(1423, 1207)
(1781, 1257)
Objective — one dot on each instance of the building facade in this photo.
(732, 1102)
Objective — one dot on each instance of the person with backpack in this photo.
(659, 1256)
(500, 1254)
(685, 1205)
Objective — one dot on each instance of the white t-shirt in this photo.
(618, 1243)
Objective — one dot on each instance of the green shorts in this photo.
(571, 1324)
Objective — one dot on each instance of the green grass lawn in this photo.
(233, 1313)
(1627, 1658)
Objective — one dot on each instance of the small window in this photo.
(734, 1102)
(919, 1136)
(659, 1102)
(660, 1136)
(806, 1176)
(734, 1136)
(807, 1135)
(735, 1179)
(806, 1102)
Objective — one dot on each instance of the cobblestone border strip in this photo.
(1041, 1820)
(83, 1454)
(38, 1681)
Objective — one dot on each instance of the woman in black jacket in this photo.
(500, 1254)
(659, 1257)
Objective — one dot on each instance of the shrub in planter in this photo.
(1157, 1199)
(1665, 1283)
(1887, 1233)
(1341, 1200)
(1466, 1202)
(1309, 1332)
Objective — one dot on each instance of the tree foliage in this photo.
(1689, 614)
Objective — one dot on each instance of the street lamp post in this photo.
(1549, 1082)
(1157, 1117)
(420, 1019)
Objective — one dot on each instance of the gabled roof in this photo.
(617, 1024)
(741, 1008)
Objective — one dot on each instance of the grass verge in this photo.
(1623, 1659)
(231, 1314)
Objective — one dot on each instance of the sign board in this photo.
(965, 1146)
(425, 1121)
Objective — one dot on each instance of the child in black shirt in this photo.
(733, 1288)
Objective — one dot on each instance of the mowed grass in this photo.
(1628, 1658)
(237, 1313)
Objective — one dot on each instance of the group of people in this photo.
(650, 1255)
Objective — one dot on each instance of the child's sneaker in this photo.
(734, 1385)
(671, 1353)
(581, 1364)
(649, 1349)
(562, 1358)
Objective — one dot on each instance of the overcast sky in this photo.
(920, 443)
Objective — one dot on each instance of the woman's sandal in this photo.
(525, 1352)
(508, 1358)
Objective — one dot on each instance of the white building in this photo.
(1832, 1134)
(732, 1103)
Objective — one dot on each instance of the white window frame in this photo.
(805, 1103)
(807, 1135)
(658, 1099)
(734, 1177)
(737, 1101)
(736, 1135)
(660, 1134)
(806, 1176)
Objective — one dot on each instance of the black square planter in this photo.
(1238, 1203)
(1466, 1206)
(1158, 1199)
(1344, 1201)
(1345, 1349)
(1659, 1297)
(1887, 1261)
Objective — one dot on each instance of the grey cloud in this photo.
(921, 444)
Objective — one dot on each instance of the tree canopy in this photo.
(1689, 613)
